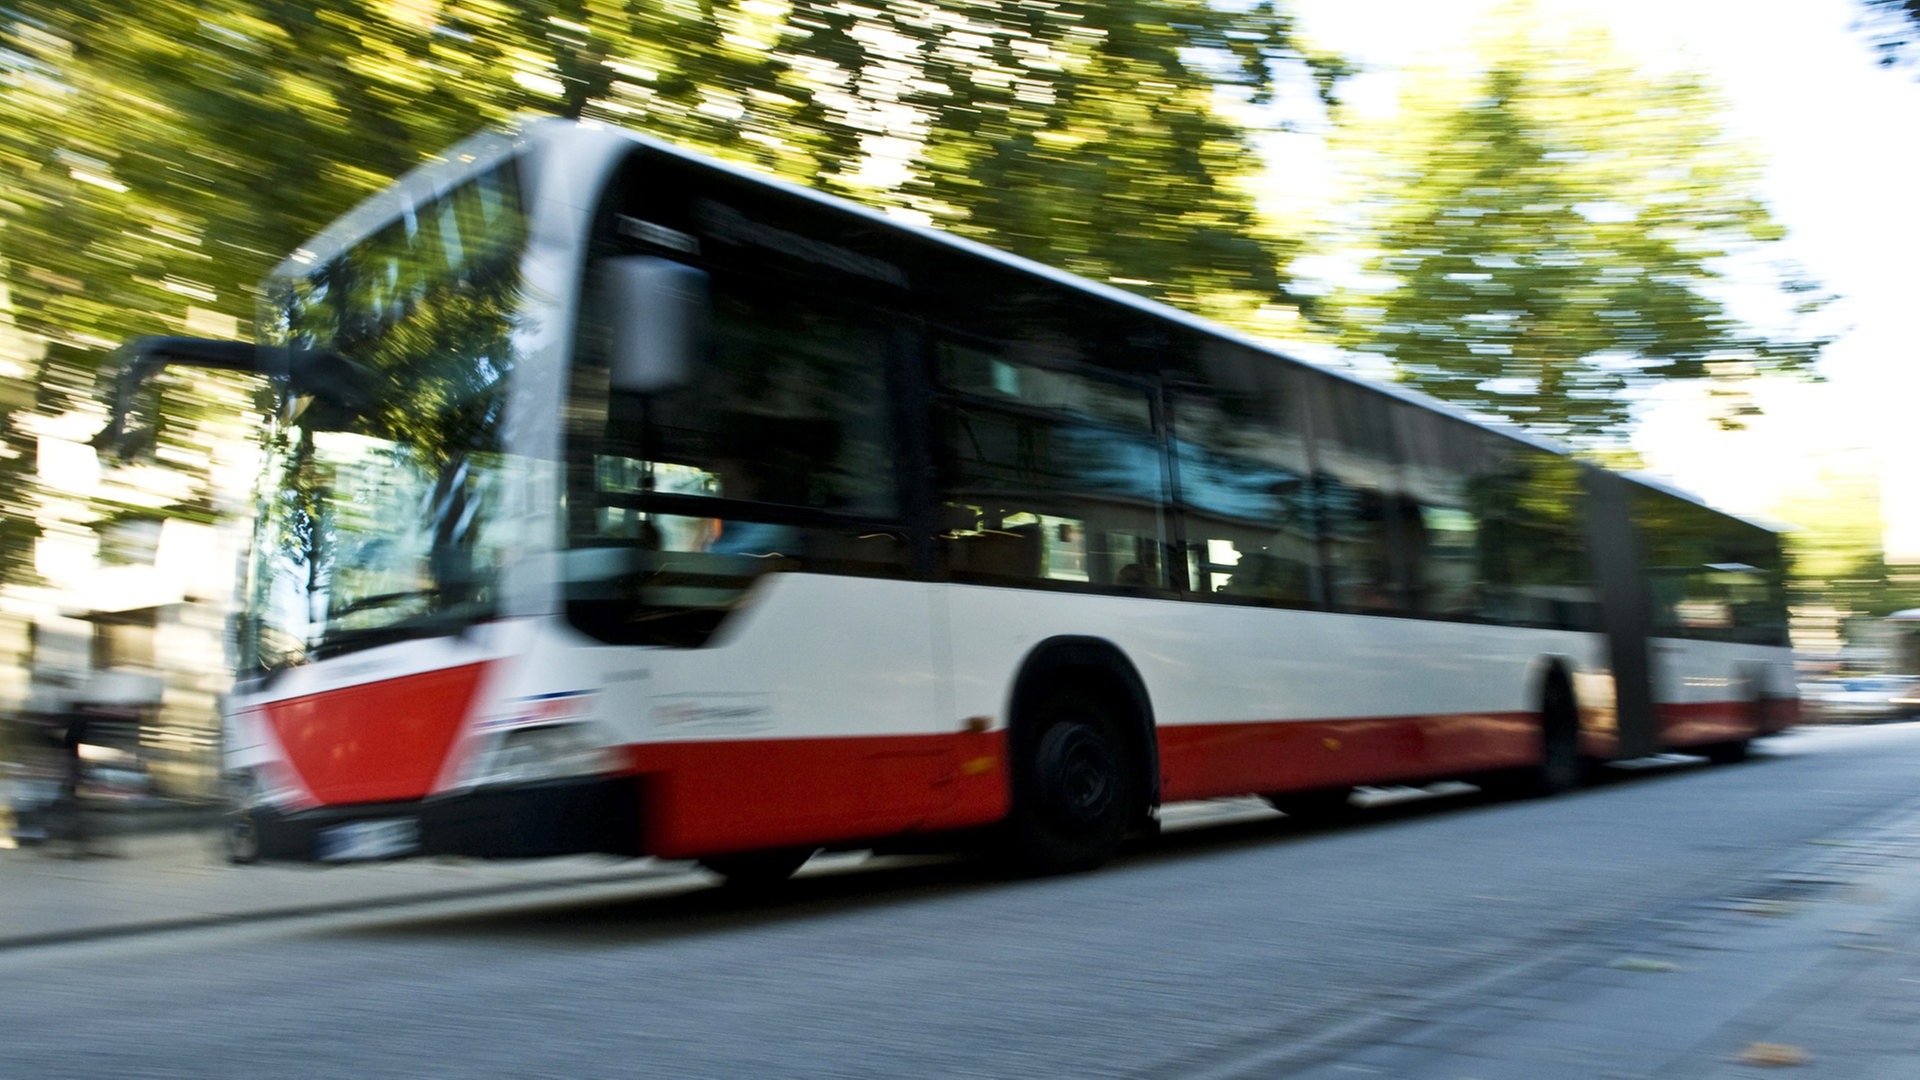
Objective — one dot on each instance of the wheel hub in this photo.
(1078, 771)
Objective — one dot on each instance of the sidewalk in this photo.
(164, 868)
(153, 878)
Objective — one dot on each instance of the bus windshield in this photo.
(377, 520)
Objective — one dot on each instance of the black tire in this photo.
(1560, 768)
(239, 834)
(1075, 785)
(1735, 751)
(1560, 764)
(1731, 752)
(1326, 804)
(749, 870)
(239, 838)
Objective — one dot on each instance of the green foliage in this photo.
(18, 529)
(159, 151)
(157, 158)
(1834, 550)
(1551, 227)
(1086, 136)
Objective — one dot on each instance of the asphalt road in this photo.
(1254, 947)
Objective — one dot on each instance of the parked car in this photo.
(1861, 699)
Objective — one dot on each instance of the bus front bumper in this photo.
(557, 817)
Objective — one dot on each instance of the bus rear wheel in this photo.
(1560, 764)
(1074, 786)
(1560, 767)
(1734, 751)
(1731, 752)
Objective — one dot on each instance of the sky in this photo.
(1837, 134)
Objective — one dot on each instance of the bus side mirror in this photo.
(657, 320)
(138, 360)
(325, 374)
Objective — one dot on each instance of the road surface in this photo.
(1253, 947)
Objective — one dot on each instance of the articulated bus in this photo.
(621, 500)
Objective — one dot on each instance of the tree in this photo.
(158, 158)
(1551, 227)
(1835, 549)
(1087, 136)
(18, 530)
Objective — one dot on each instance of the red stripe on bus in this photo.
(378, 742)
(389, 740)
(706, 798)
(1200, 761)
(1700, 723)
(1779, 713)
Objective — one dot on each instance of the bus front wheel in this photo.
(1074, 790)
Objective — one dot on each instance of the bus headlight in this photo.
(551, 752)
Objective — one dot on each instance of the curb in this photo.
(116, 820)
(9, 943)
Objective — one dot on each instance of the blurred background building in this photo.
(124, 608)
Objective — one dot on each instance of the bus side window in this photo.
(1046, 474)
(1711, 576)
(1437, 525)
(1443, 564)
(1359, 460)
(1359, 541)
(1534, 562)
(1245, 500)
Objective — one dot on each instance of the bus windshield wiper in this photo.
(346, 641)
(380, 600)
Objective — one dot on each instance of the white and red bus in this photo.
(620, 500)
